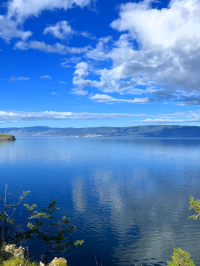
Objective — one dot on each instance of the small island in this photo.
(7, 137)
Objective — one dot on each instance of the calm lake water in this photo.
(128, 197)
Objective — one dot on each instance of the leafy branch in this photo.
(51, 231)
(196, 206)
(9, 226)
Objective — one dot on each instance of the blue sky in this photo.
(83, 63)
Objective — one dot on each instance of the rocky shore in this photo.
(12, 255)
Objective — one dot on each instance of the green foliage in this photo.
(2, 247)
(10, 227)
(196, 206)
(51, 231)
(180, 258)
(45, 227)
(17, 262)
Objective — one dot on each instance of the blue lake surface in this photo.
(128, 197)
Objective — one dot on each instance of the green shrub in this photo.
(18, 261)
(180, 257)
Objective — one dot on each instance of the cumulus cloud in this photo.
(18, 78)
(101, 51)
(160, 27)
(46, 77)
(109, 81)
(18, 116)
(169, 42)
(80, 73)
(48, 48)
(157, 49)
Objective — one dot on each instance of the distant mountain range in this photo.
(137, 131)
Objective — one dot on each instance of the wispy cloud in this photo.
(167, 121)
(46, 77)
(79, 91)
(62, 82)
(48, 48)
(62, 30)
(19, 78)
(173, 118)
(14, 116)
(73, 59)
(103, 98)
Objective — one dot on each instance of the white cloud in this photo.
(19, 116)
(9, 30)
(166, 121)
(100, 52)
(110, 81)
(46, 77)
(79, 91)
(80, 73)
(60, 30)
(166, 58)
(63, 30)
(103, 98)
(48, 48)
(18, 78)
(173, 118)
(55, 93)
(73, 59)
(20, 10)
(62, 82)
(165, 27)
(86, 34)
(81, 70)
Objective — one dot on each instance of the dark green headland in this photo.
(7, 137)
